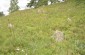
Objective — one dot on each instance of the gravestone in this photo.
(58, 36)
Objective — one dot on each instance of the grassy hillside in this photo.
(30, 31)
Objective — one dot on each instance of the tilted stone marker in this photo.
(10, 25)
(58, 36)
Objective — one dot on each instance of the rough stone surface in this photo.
(58, 36)
(10, 25)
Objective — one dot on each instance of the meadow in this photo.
(29, 32)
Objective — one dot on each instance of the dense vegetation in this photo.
(1, 14)
(13, 5)
(38, 3)
(29, 32)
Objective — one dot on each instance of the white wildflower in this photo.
(69, 19)
(22, 50)
(17, 48)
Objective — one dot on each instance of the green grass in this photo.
(32, 30)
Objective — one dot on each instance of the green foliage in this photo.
(78, 2)
(13, 6)
(40, 3)
(1, 14)
(32, 31)
(53, 1)
(32, 3)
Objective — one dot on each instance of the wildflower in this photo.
(69, 19)
(17, 48)
(22, 50)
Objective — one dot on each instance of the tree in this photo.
(1, 14)
(13, 6)
(38, 3)
(42, 2)
(53, 1)
(79, 2)
(32, 3)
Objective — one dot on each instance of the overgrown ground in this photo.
(32, 30)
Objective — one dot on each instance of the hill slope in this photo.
(29, 32)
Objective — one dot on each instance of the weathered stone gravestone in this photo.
(10, 25)
(58, 36)
(41, 11)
